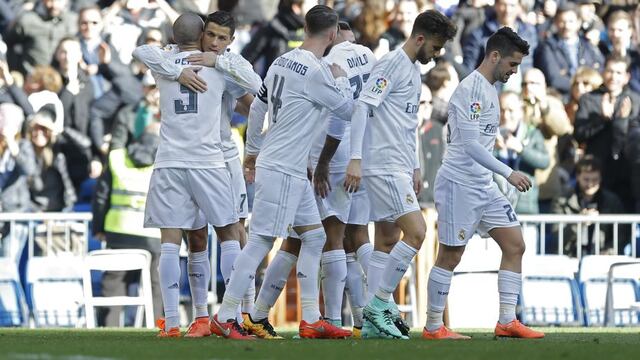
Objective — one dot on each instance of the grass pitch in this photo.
(77, 344)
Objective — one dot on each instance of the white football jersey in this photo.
(475, 106)
(393, 90)
(190, 129)
(357, 61)
(297, 88)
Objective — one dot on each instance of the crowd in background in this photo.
(570, 118)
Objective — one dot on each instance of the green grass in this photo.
(566, 343)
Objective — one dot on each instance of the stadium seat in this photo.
(13, 308)
(54, 290)
(550, 274)
(119, 260)
(592, 277)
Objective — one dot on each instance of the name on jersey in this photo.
(291, 65)
(357, 61)
(182, 61)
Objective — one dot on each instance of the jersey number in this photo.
(276, 93)
(357, 82)
(448, 134)
(191, 107)
(510, 214)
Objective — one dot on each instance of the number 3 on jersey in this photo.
(276, 93)
(191, 107)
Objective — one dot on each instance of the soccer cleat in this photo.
(173, 332)
(261, 328)
(199, 328)
(229, 329)
(356, 332)
(516, 329)
(322, 329)
(370, 332)
(398, 321)
(443, 333)
(379, 313)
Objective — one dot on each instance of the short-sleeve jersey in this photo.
(190, 128)
(474, 106)
(297, 88)
(393, 90)
(357, 61)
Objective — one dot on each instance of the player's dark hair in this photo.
(187, 28)
(618, 59)
(505, 41)
(433, 23)
(587, 164)
(320, 18)
(222, 18)
(343, 25)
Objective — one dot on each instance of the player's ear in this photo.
(495, 56)
(420, 40)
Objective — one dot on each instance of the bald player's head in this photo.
(187, 29)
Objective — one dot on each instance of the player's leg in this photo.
(274, 281)
(334, 269)
(355, 245)
(199, 270)
(386, 236)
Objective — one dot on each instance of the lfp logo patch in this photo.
(380, 84)
(474, 110)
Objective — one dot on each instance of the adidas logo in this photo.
(492, 106)
(252, 277)
(300, 275)
(410, 83)
(174, 286)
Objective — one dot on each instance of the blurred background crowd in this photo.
(70, 91)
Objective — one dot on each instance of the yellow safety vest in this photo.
(129, 186)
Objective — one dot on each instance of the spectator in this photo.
(591, 25)
(10, 92)
(619, 33)
(118, 216)
(545, 14)
(602, 124)
(283, 33)
(585, 80)
(405, 13)
(521, 146)
(587, 198)
(560, 56)
(93, 44)
(76, 97)
(431, 147)
(17, 164)
(546, 112)
(468, 17)
(42, 87)
(50, 186)
(507, 13)
(441, 80)
(33, 39)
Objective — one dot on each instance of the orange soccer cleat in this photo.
(199, 328)
(172, 333)
(516, 329)
(443, 333)
(229, 329)
(322, 329)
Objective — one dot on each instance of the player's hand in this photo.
(250, 168)
(337, 71)
(520, 181)
(417, 181)
(321, 180)
(207, 59)
(189, 78)
(354, 175)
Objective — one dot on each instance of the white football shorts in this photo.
(390, 196)
(239, 187)
(189, 199)
(463, 211)
(348, 208)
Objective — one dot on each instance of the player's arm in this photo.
(332, 141)
(470, 134)
(257, 112)
(417, 173)
(331, 90)
(233, 66)
(155, 59)
(244, 104)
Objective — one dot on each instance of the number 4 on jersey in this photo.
(276, 93)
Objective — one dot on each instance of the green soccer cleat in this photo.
(379, 313)
(398, 320)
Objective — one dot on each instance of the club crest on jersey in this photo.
(380, 84)
(474, 111)
(461, 234)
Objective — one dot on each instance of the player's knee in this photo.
(415, 236)
(229, 232)
(449, 257)
(197, 239)
(516, 249)
(291, 245)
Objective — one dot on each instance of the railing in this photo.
(582, 222)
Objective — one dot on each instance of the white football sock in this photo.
(169, 271)
(334, 275)
(199, 270)
(229, 251)
(308, 268)
(275, 279)
(509, 285)
(363, 254)
(355, 289)
(374, 272)
(244, 272)
(399, 260)
(249, 298)
(437, 292)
